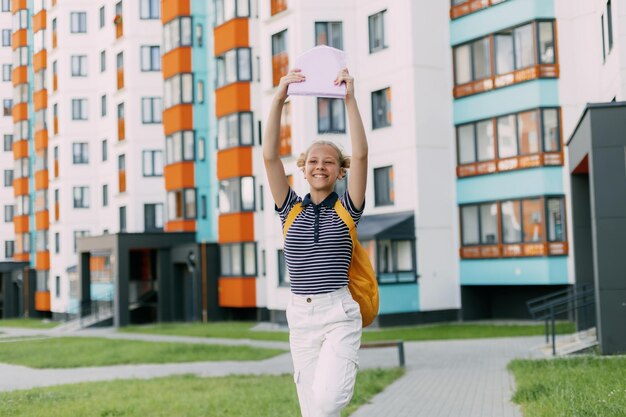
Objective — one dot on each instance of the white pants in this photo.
(324, 336)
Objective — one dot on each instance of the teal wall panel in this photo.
(399, 298)
(514, 271)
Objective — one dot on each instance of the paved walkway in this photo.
(458, 378)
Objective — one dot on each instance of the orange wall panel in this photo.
(20, 112)
(19, 39)
(237, 292)
(42, 220)
(234, 162)
(40, 60)
(41, 139)
(20, 224)
(40, 99)
(20, 75)
(236, 227)
(232, 34)
(232, 98)
(18, 5)
(42, 298)
(39, 21)
(21, 257)
(42, 261)
(41, 179)
(172, 8)
(179, 175)
(20, 149)
(20, 186)
(187, 225)
(176, 61)
(178, 118)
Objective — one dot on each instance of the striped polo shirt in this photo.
(318, 248)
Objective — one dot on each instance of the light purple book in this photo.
(320, 66)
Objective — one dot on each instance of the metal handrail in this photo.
(548, 307)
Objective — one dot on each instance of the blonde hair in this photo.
(344, 160)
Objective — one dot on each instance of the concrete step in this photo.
(567, 345)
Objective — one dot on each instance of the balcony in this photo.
(510, 164)
(515, 250)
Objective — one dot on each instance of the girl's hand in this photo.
(293, 76)
(345, 77)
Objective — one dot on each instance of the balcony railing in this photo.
(510, 164)
(471, 6)
(278, 6)
(514, 250)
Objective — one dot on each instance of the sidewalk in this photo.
(457, 378)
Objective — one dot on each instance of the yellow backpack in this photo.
(361, 276)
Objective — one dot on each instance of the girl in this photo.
(324, 321)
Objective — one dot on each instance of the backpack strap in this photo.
(347, 219)
(291, 217)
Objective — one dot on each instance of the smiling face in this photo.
(322, 168)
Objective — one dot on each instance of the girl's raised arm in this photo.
(357, 180)
(271, 143)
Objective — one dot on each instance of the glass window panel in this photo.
(230, 62)
(190, 204)
(467, 152)
(404, 255)
(524, 46)
(556, 220)
(507, 140)
(533, 220)
(482, 58)
(462, 64)
(505, 61)
(187, 88)
(511, 222)
(385, 256)
(323, 114)
(528, 132)
(188, 152)
(249, 259)
(225, 259)
(551, 132)
(244, 64)
(177, 139)
(485, 141)
(246, 128)
(546, 43)
(489, 224)
(235, 254)
(247, 193)
(469, 219)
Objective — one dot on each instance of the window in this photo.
(102, 17)
(203, 207)
(234, 130)
(329, 33)
(547, 53)
(331, 115)
(9, 249)
(152, 163)
(236, 195)
(522, 221)
(20, 56)
(41, 119)
(103, 61)
(181, 204)
(151, 111)
(395, 261)
(235, 65)
(381, 108)
(7, 70)
(238, 259)
(551, 130)
(283, 272)
(7, 105)
(555, 214)
(105, 150)
(41, 159)
(20, 93)
(39, 39)
(9, 213)
(153, 217)
(22, 207)
(177, 33)
(6, 5)
(122, 219)
(603, 38)
(40, 80)
(105, 195)
(80, 153)
(383, 186)
(81, 197)
(6, 37)
(199, 36)
(201, 149)
(78, 234)
(22, 168)
(178, 89)
(41, 244)
(280, 59)
(8, 143)
(528, 133)
(150, 58)
(20, 19)
(79, 65)
(57, 243)
(180, 147)
(79, 109)
(609, 24)
(149, 9)
(507, 140)
(479, 224)
(78, 22)
(103, 105)
(377, 31)
(8, 178)
(226, 10)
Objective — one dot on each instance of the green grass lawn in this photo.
(28, 323)
(72, 352)
(242, 330)
(189, 396)
(587, 386)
